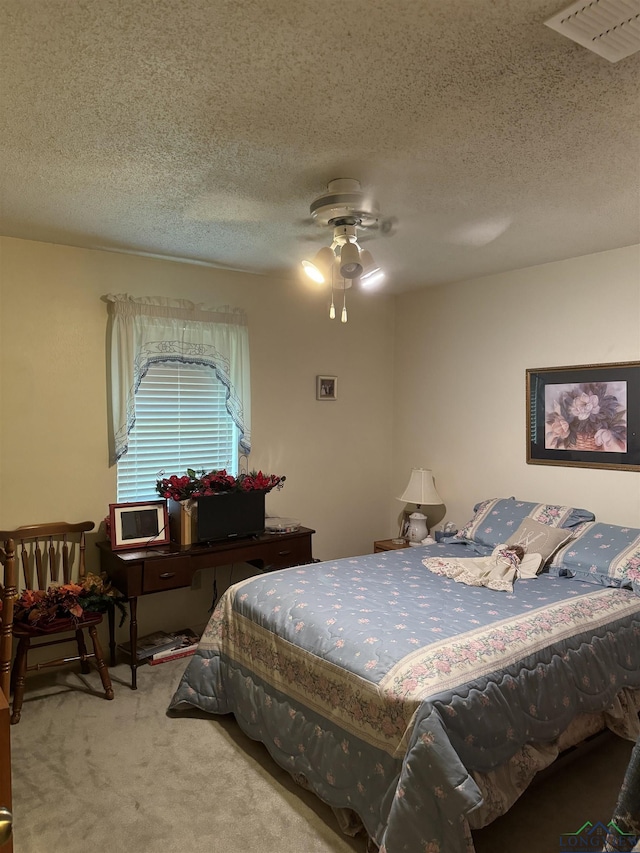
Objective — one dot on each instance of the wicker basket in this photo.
(586, 442)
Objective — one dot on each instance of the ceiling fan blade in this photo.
(477, 233)
(319, 238)
(386, 226)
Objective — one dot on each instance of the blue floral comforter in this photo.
(381, 685)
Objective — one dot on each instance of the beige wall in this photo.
(461, 355)
(454, 400)
(53, 432)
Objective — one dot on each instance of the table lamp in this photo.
(422, 492)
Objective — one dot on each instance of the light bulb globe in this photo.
(350, 263)
(319, 269)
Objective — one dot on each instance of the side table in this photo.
(388, 545)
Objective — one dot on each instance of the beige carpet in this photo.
(122, 776)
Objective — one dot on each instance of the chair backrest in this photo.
(7, 597)
(49, 553)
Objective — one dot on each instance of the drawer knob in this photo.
(166, 575)
(283, 553)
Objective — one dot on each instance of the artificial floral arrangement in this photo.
(93, 594)
(198, 484)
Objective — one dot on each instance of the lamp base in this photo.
(417, 529)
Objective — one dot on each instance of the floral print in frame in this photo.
(586, 416)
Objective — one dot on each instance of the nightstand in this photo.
(388, 545)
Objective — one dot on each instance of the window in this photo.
(181, 422)
(186, 340)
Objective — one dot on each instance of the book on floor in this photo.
(151, 644)
(186, 643)
(172, 654)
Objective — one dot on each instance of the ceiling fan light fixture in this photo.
(346, 208)
(372, 280)
(372, 275)
(313, 272)
(350, 263)
(319, 269)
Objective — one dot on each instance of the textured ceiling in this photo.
(203, 129)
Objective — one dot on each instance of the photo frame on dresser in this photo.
(139, 524)
(585, 415)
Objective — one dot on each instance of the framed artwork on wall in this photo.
(139, 524)
(586, 416)
(326, 387)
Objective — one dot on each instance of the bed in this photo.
(419, 707)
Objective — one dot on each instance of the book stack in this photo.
(162, 646)
(186, 642)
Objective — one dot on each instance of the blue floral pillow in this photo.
(603, 554)
(496, 519)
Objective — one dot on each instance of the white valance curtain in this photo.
(147, 330)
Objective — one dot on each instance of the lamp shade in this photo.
(420, 489)
(372, 275)
(350, 263)
(319, 269)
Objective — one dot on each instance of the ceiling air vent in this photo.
(610, 28)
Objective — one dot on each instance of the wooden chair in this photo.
(7, 598)
(44, 549)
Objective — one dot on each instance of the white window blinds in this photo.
(144, 331)
(181, 422)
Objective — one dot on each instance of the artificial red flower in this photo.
(201, 484)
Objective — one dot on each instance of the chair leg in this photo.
(14, 675)
(102, 667)
(20, 668)
(85, 667)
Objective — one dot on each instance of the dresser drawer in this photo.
(171, 573)
(288, 552)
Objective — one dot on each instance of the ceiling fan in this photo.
(344, 208)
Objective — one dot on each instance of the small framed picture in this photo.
(139, 525)
(326, 387)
